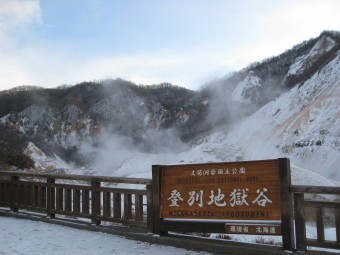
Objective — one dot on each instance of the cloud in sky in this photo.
(188, 43)
(16, 13)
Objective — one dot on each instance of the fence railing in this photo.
(98, 199)
(90, 197)
(314, 209)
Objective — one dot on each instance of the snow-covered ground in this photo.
(19, 236)
(31, 237)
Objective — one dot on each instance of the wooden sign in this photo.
(248, 190)
(252, 229)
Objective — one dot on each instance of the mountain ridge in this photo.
(164, 117)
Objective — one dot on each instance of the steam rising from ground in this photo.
(127, 137)
(111, 151)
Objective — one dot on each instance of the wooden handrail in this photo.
(315, 189)
(125, 180)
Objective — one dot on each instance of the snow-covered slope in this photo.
(325, 44)
(303, 124)
(247, 90)
(44, 163)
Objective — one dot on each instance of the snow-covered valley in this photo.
(287, 106)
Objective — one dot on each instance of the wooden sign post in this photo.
(207, 197)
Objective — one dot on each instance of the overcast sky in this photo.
(186, 42)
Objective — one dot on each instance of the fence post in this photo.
(95, 201)
(156, 193)
(13, 195)
(300, 227)
(337, 225)
(127, 206)
(149, 206)
(287, 224)
(50, 197)
(139, 207)
(320, 224)
(117, 205)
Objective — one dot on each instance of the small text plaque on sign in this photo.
(252, 229)
(248, 190)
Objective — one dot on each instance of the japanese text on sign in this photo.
(239, 190)
(252, 229)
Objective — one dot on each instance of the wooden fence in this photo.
(97, 199)
(90, 197)
(315, 209)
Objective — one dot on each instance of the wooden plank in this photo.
(127, 206)
(80, 177)
(18, 194)
(60, 199)
(131, 222)
(85, 202)
(76, 200)
(69, 186)
(322, 244)
(107, 204)
(322, 204)
(68, 200)
(33, 209)
(73, 214)
(337, 225)
(192, 226)
(38, 184)
(24, 195)
(320, 225)
(288, 235)
(53, 198)
(21, 198)
(43, 191)
(2, 192)
(315, 189)
(28, 195)
(139, 207)
(36, 196)
(8, 192)
(50, 197)
(127, 191)
(149, 208)
(300, 227)
(13, 193)
(32, 196)
(252, 229)
(95, 201)
(117, 205)
(156, 194)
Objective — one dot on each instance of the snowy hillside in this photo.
(303, 124)
(247, 90)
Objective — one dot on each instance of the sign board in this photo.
(248, 190)
(250, 196)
